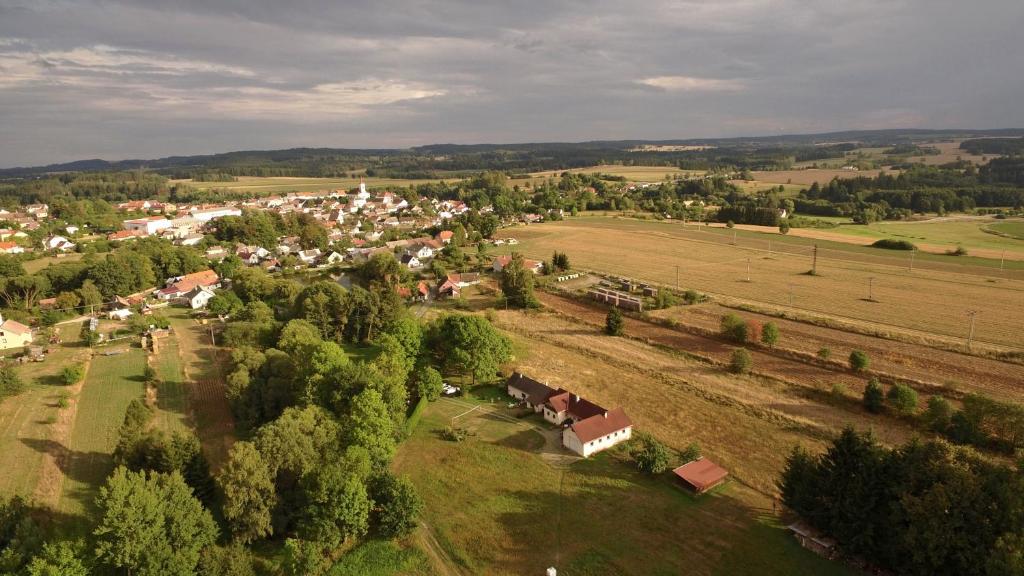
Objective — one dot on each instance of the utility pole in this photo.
(912, 251)
(677, 276)
(1002, 258)
(748, 269)
(733, 236)
(970, 334)
(814, 262)
(791, 295)
(871, 281)
(769, 248)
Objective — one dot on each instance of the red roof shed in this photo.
(701, 474)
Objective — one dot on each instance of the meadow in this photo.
(631, 173)
(866, 286)
(941, 234)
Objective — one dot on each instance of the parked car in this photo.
(449, 390)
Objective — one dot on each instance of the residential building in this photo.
(14, 334)
(147, 226)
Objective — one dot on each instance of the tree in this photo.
(10, 383)
(235, 560)
(874, 398)
(337, 505)
(470, 344)
(72, 374)
(614, 323)
(248, 488)
(151, 524)
(650, 455)
(784, 227)
(517, 284)
(859, 361)
(734, 328)
(225, 303)
(938, 414)
(369, 425)
(395, 506)
(90, 294)
(770, 334)
(429, 384)
(740, 362)
(61, 558)
(903, 399)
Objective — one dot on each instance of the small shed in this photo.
(701, 475)
(810, 538)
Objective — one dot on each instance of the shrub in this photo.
(692, 297)
(72, 374)
(903, 399)
(614, 324)
(741, 361)
(753, 331)
(958, 251)
(734, 328)
(938, 414)
(891, 244)
(874, 398)
(149, 373)
(838, 393)
(770, 334)
(784, 227)
(10, 383)
(453, 434)
(824, 353)
(859, 361)
(690, 453)
(730, 224)
(650, 455)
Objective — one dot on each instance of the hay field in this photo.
(804, 178)
(631, 173)
(932, 301)
(258, 185)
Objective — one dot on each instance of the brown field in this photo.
(809, 176)
(933, 301)
(632, 173)
(950, 152)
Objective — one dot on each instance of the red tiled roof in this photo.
(578, 408)
(16, 327)
(702, 474)
(601, 425)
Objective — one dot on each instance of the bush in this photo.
(824, 353)
(891, 244)
(149, 373)
(614, 324)
(784, 227)
(838, 393)
(958, 251)
(72, 374)
(690, 453)
(10, 383)
(693, 297)
(874, 398)
(734, 328)
(938, 414)
(903, 399)
(770, 334)
(650, 455)
(741, 361)
(453, 434)
(859, 361)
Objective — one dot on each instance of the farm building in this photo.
(616, 298)
(701, 475)
(598, 432)
(531, 392)
(181, 285)
(454, 283)
(564, 406)
(500, 262)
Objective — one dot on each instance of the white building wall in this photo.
(572, 442)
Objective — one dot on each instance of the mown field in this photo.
(257, 185)
(631, 173)
(111, 383)
(934, 300)
(1014, 228)
(497, 504)
(946, 233)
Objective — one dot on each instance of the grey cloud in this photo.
(121, 78)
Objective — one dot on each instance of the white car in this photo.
(449, 390)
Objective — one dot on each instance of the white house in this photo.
(206, 214)
(14, 334)
(58, 243)
(148, 226)
(308, 256)
(10, 248)
(410, 261)
(119, 314)
(333, 258)
(199, 297)
(598, 432)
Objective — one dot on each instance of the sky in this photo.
(150, 78)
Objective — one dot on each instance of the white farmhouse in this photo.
(147, 226)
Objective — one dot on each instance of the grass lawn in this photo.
(969, 233)
(33, 266)
(497, 506)
(361, 352)
(381, 558)
(110, 385)
(1013, 228)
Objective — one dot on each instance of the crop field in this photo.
(499, 504)
(859, 286)
(111, 383)
(806, 177)
(631, 173)
(31, 424)
(258, 185)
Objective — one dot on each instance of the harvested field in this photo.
(957, 372)
(631, 173)
(809, 176)
(934, 300)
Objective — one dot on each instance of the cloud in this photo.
(692, 84)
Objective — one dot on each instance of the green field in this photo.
(260, 186)
(33, 266)
(967, 232)
(111, 384)
(171, 392)
(496, 505)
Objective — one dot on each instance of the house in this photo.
(445, 236)
(71, 229)
(119, 314)
(410, 261)
(147, 226)
(333, 258)
(58, 243)
(199, 297)
(10, 248)
(598, 432)
(454, 283)
(308, 257)
(530, 392)
(565, 407)
(217, 253)
(205, 215)
(190, 240)
(424, 249)
(182, 285)
(422, 291)
(14, 334)
(500, 262)
(701, 475)
(121, 235)
(7, 234)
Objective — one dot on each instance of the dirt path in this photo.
(55, 460)
(203, 366)
(960, 372)
(439, 559)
